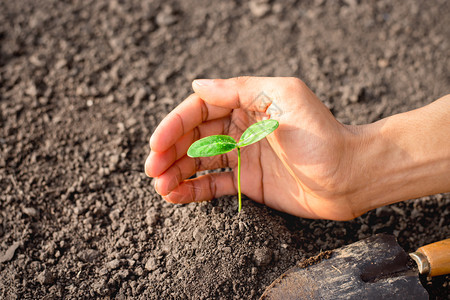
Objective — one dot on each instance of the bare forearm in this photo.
(402, 157)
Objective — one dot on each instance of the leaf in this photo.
(257, 132)
(212, 145)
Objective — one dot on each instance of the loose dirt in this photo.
(83, 84)
(310, 261)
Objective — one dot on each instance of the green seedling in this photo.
(221, 144)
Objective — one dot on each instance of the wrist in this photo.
(361, 150)
(401, 157)
(372, 165)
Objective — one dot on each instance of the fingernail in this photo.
(146, 165)
(154, 181)
(203, 82)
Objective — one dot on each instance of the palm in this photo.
(294, 185)
(264, 178)
(261, 172)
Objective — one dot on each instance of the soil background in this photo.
(83, 84)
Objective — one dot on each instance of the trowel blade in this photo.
(374, 268)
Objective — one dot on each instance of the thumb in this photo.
(249, 93)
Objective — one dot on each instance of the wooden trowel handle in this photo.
(437, 256)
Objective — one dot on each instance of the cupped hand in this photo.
(301, 168)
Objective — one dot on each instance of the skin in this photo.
(312, 166)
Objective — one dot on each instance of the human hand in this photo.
(299, 169)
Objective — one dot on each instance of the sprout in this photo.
(221, 144)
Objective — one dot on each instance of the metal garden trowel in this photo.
(374, 268)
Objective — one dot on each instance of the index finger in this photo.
(186, 116)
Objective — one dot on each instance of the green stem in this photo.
(239, 178)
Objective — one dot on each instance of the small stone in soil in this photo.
(151, 218)
(114, 264)
(142, 236)
(197, 234)
(9, 254)
(123, 228)
(114, 161)
(364, 228)
(114, 215)
(151, 264)
(31, 211)
(100, 287)
(60, 64)
(262, 256)
(168, 222)
(165, 17)
(31, 90)
(139, 96)
(258, 8)
(88, 255)
(139, 271)
(45, 277)
(122, 274)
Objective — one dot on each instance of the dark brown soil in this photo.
(84, 83)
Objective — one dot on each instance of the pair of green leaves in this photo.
(221, 144)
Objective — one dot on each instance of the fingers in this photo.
(159, 162)
(184, 118)
(250, 93)
(203, 188)
(184, 168)
(215, 98)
